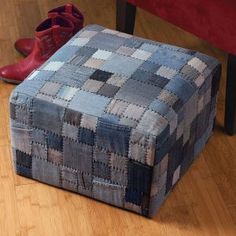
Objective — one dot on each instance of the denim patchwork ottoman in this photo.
(114, 117)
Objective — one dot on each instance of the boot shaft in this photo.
(51, 34)
(70, 12)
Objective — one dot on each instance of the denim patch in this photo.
(139, 176)
(85, 181)
(69, 178)
(134, 112)
(54, 141)
(105, 42)
(128, 122)
(109, 118)
(152, 123)
(92, 85)
(101, 156)
(39, 150)
(113, 138)
(149, 47)
(117, 64)
(137, 93)
(170, 58)
(23, 163)
(141, 54)
(101, 170)
(166, 72)
(102, 54)
(47, 116)
(117, 80)
(108, 90)
(12, 110)
(94, 63)
(80, 42)
(46, 172)
(54, 156)
(117, 107)
(23, 159)
(23, 115)
(53, 65)
(178, 85)
(77, 155)
(89, 103)
(39, 136)
(67, 93)
(70, 131)
(72, 117)
(126, 51)
(133, 43)
(100, 75)
(149, 66)
(64, 55)
(111, 193)
(21, 138)
(86, 136)
(89, 122)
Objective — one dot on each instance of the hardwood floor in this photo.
(203, 202)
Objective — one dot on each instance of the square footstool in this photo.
(114, 117)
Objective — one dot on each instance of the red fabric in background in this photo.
(212, 20)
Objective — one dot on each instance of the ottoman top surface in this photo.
(120, 79)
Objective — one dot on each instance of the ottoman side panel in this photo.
(21, 132)
(194, 127)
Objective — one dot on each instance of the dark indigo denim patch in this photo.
(86, 136)
(101, 170)
(108, 90)
(23, 159)
(100, 75)
(23, 164)
(139, 177)
(47, 116)
(54, 141)
(72, 117)
(114, 138)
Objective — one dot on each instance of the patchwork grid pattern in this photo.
(118, 118)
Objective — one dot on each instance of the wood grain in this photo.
(203, 202)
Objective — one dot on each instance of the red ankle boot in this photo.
(50, 35)
(26, 45)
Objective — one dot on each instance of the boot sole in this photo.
(11, 81)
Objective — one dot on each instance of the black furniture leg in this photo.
(230, 102)
(125, 16)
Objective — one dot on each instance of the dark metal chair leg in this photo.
(230, 102)
(125, 16)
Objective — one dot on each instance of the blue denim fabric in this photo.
(114, 117)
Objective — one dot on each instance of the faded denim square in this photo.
(46, 172)
(69, 178)
(77, 155)
(117, 64)
(70, 131)
(21, 138)
(138, 93)
(110, 193)
(89, 103)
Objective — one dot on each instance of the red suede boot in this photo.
(50, 35)
(26, 45)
